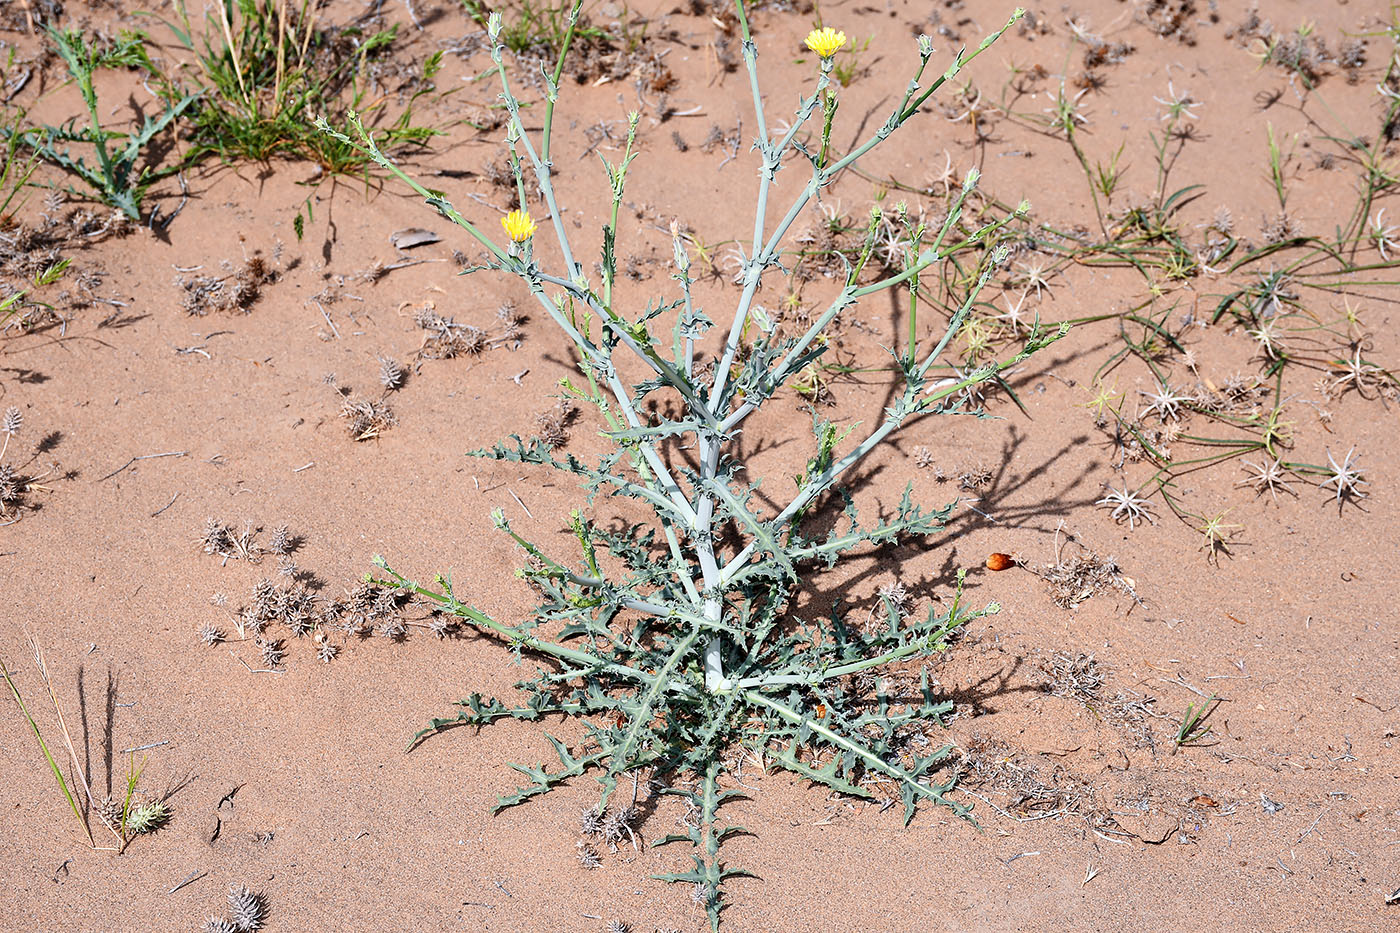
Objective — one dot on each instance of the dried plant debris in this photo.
(295, 606)
(220, 539)
(30, 16)
(598, 56)
(14, 485)
(367, 418)
(1301, 50)
(991, 767)
(587, 855)
(1133, 712)
(445, 338)
(606, 828)
(1075, 579)
(364, 418)
(271, 652)
(237, 289)
(1169, 18)
(32, 258)
(552, 424)
(978, 477)
(1073, 676)
(724, 140)
(1281, 229)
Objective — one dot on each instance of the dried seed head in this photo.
(10, 424)
(252, 622)
(211, 634)
(299, 622)
(619, 926)
(362, 597)
(327, 652)
(247, 909)
(553, 424)
(265, 598)
(392, 628)
(217, 538)
(590, 821)
(896, 594)
(281, 542)
(271, 650)
(587, 855)
(975, 478)
(427, 318)
(147, 818)
(218, 925)
(9, 483)
(472, 340)
(618, 825)
(390, 373)
(109, 811)
(385, 603)
(331, 613)
(376, 271)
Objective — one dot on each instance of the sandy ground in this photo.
(297, 783)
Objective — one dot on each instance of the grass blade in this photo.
(48, 756)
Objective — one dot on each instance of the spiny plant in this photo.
(675, 644)
(118, 177)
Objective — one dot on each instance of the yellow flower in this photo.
(519, 226)
(825, 41)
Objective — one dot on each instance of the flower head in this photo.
(825, 41)
(519, 226)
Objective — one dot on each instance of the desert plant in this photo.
(265, 69)
(676, 644)
(544, 26)
(59, 777)
(124, 817)
(118, 178)
(1193, 729)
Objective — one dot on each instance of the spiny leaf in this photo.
(828, 774)
(543, 780)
